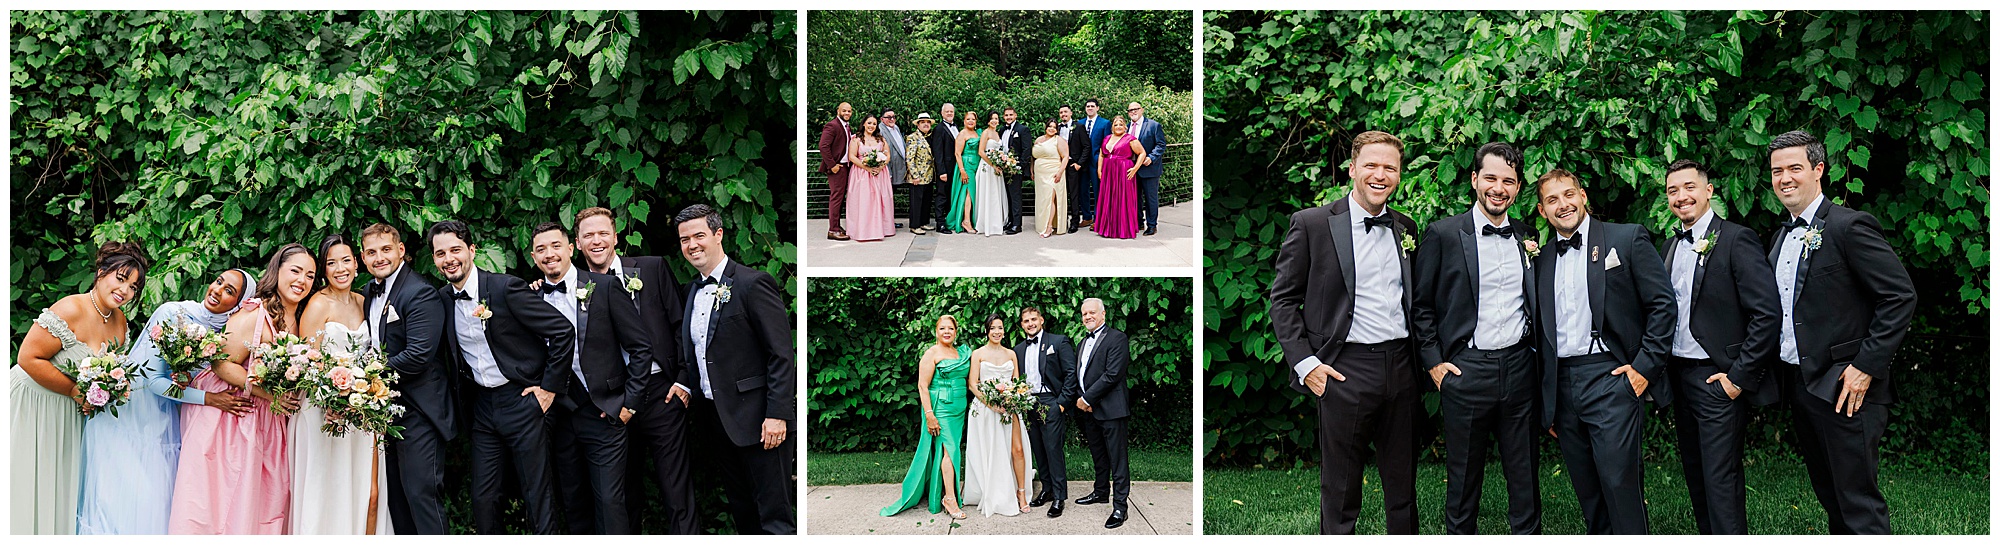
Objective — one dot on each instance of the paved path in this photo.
(1156, 508)
(1173, 246)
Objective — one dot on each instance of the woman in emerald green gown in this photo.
(941, 393)
(959, 219)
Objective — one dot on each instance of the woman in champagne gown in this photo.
(990, 211)
(1118, 184)
(871, 202)
(997, 470)
(1051, 201)
(960, 216)
(934, 470)
(339, 486)
(235, 474)
(45, 431)
(129, 459)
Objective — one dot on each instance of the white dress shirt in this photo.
(845, 132)
(377, 310)
(1062, 130)
(1685, 262)
(1083, 358)
(704, 308)
(565, 302)
(1572, 297)
(1378, 286)
(472, 335)
(1032, 367)
(1503, 303)
(1787, 275)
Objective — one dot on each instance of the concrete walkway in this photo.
(1173, 246)
(1156, 508)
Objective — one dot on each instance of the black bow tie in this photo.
(705, 282)
(460, 295)
(1794, 224)
(1686, 235)
(1564, 246)
(1502, 232)
(373, 289)
(1368, 224)
(552, 287)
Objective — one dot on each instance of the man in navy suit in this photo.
(1098, 128)
(1155, 143)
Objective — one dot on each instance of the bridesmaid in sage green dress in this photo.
(46, 431)
(934, 470)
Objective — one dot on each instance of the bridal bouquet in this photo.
(1002, 161)
(187, 347)
(356, 391)
(104, 379)
(283, 365)
(1012, 396)
(874, 158)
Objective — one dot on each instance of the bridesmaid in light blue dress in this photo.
(129, 460)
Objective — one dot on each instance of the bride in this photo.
(339, 485)
(989, 215)
(993, 449)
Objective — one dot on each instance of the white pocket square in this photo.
(1049, 350)
(1611, 260)
(393, 316)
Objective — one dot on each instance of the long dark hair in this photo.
(876, 133)
(326, 249)
(267, 287)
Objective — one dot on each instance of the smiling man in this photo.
(407, 319)
(1607, 320)
(1340, 307)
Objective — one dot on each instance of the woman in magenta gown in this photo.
(235, 473)
(1118, 184)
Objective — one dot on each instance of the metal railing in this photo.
(1176, 184)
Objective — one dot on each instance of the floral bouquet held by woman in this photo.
(357, 391)
(187, 347)
(283, 366)
(1012, 396)
(104, 380)
(1002, 161)
(874, 159)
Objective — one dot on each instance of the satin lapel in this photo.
(1403, 259)
(627, 270)
(1343, 241)
(1806, 253)
(715, 316)
(1527, 273)
(1468, 242)
(1701, 262)
(687, 319)
(582, 314)
(1595, 276)
(1545, 295)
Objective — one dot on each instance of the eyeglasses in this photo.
(1130, 110)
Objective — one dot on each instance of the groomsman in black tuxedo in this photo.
(407, 319)
(607, 380)
(944, 162)
(1350, 347)
(658, 424)
(1607, 315)
(744, 394)
(1726, 329)
(1078, 136)
(1474, 299)
(513, 346)
(1100, 371)
(1847, 303)
(1047, 363)
(1018, 140)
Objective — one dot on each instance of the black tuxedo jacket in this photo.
(1079, 147)
(1632, 307)
(944, 157)
(1445, 312)
(415, 344)
(1022, 146)
(530, 339)
(608, 328)
(1058, 369)
(659, 300)
(749, 354)
(1312, 296)
(1103, 385)
(1733, 312)
(1852, 303)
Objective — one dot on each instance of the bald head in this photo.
(845, 111)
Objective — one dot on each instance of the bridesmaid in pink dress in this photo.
(871, 203)
(1118, 184)
(235, 473)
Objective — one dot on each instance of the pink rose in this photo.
(187, 351)
(97, 396)
(208, 350)
(156, 333)
(341, 377)
(292, 373)
(118, 373)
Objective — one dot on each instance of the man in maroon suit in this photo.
(833, 162)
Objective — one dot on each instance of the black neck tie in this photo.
(1368, 223)
(460, 295)
(1794, 224)
(1686, 235)
(549, 287)
(1564, 246)
(1502, 232)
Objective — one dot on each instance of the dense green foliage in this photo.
(865, 336)
(1033, 61)
(214, 137)
(1900, 99)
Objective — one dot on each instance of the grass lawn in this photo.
(1255, 501)
(828, 468)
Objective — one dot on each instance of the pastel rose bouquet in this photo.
(874, 158)
(283, 365)
(1002, 161)
(1012, 396)
(103, 380)
(187, 347)
(357, 392)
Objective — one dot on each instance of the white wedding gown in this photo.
(989, 208)
(331, 476)
(990, 482)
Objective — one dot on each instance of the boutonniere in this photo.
(1533, 249)
(481, 312)
(1409, 244)
(721, 295)
(583, 295)
(1704, 246)
(633, 283)
(1813, 238)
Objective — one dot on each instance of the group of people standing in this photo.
(565, 386)
(966, 176)
(1574, 340)
(970, 453)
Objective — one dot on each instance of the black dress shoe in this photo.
(1055, 509)
(1117, 518)
(1094, 497)
(1014, 231)
(1150, 231)
(1040, 501)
